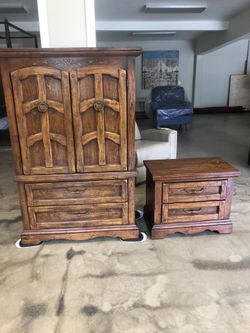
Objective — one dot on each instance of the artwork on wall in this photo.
(239, 91)
(160, 68)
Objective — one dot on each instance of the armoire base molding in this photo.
(34, 237)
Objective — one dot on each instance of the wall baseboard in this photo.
(221, 109)
(141, 115)
(4, 138)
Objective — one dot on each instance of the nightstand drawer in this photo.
(194, 191)
(193, 212)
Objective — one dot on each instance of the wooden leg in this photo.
(30, 242)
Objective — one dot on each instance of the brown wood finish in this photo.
(193, 211)
(131, 201)
(9, 102)
(75, 193)
(75, 177)
(99, 110)
(60, 53)
(36, 236)
(194, 191)
(131, 115)
(222, 227)
(229, 196)
(78, 215)
(71, 115)
(24, 206)
(187, 204)
(33, 110)
(191, 168)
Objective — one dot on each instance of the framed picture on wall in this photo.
(160, 68)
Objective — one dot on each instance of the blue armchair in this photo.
(169, 107)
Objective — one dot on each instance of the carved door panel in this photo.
(44, 120)
(99, 112)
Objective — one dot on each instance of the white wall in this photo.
(21, 42)
(186, 61)
(213, 73)
(239, 26)
(248, 62)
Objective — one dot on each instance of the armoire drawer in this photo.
(194, 191)
(193, 212)
(78, 216)
(72, 193)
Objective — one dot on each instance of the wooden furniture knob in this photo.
(98, 105)
(43, 107)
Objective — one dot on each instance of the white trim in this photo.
(43, 23)
(90, 23)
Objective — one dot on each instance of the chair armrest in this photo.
(154, 106)
(162, 134)
(158, 134)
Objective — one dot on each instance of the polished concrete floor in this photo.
(180, 284)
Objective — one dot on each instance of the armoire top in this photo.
(69, 52)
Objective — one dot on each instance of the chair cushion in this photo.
(174, 110)
(151, 150)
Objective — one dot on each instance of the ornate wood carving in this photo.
(97, 101)
(30, 94)
(71, 114)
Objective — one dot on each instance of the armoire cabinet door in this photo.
(99, 112)
(44, 120)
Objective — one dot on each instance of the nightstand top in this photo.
(190, 168)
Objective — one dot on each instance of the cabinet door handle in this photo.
(192, 210)
(194, 190)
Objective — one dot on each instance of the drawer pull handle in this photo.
(194, 190)
(192, 210)
(83, 212)
(76, 191)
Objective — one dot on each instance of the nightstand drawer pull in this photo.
(192, 210)
(194, 190)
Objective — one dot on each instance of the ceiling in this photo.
(31, 5)
(132, 10)
(125, 36)
(116, 19)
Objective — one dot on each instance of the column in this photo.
(67, 23)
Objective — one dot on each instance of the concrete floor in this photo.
(181, 284)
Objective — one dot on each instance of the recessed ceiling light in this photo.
(6, 8)
(153, 33)
(152, 7)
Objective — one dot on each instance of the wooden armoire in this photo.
(71, 118)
